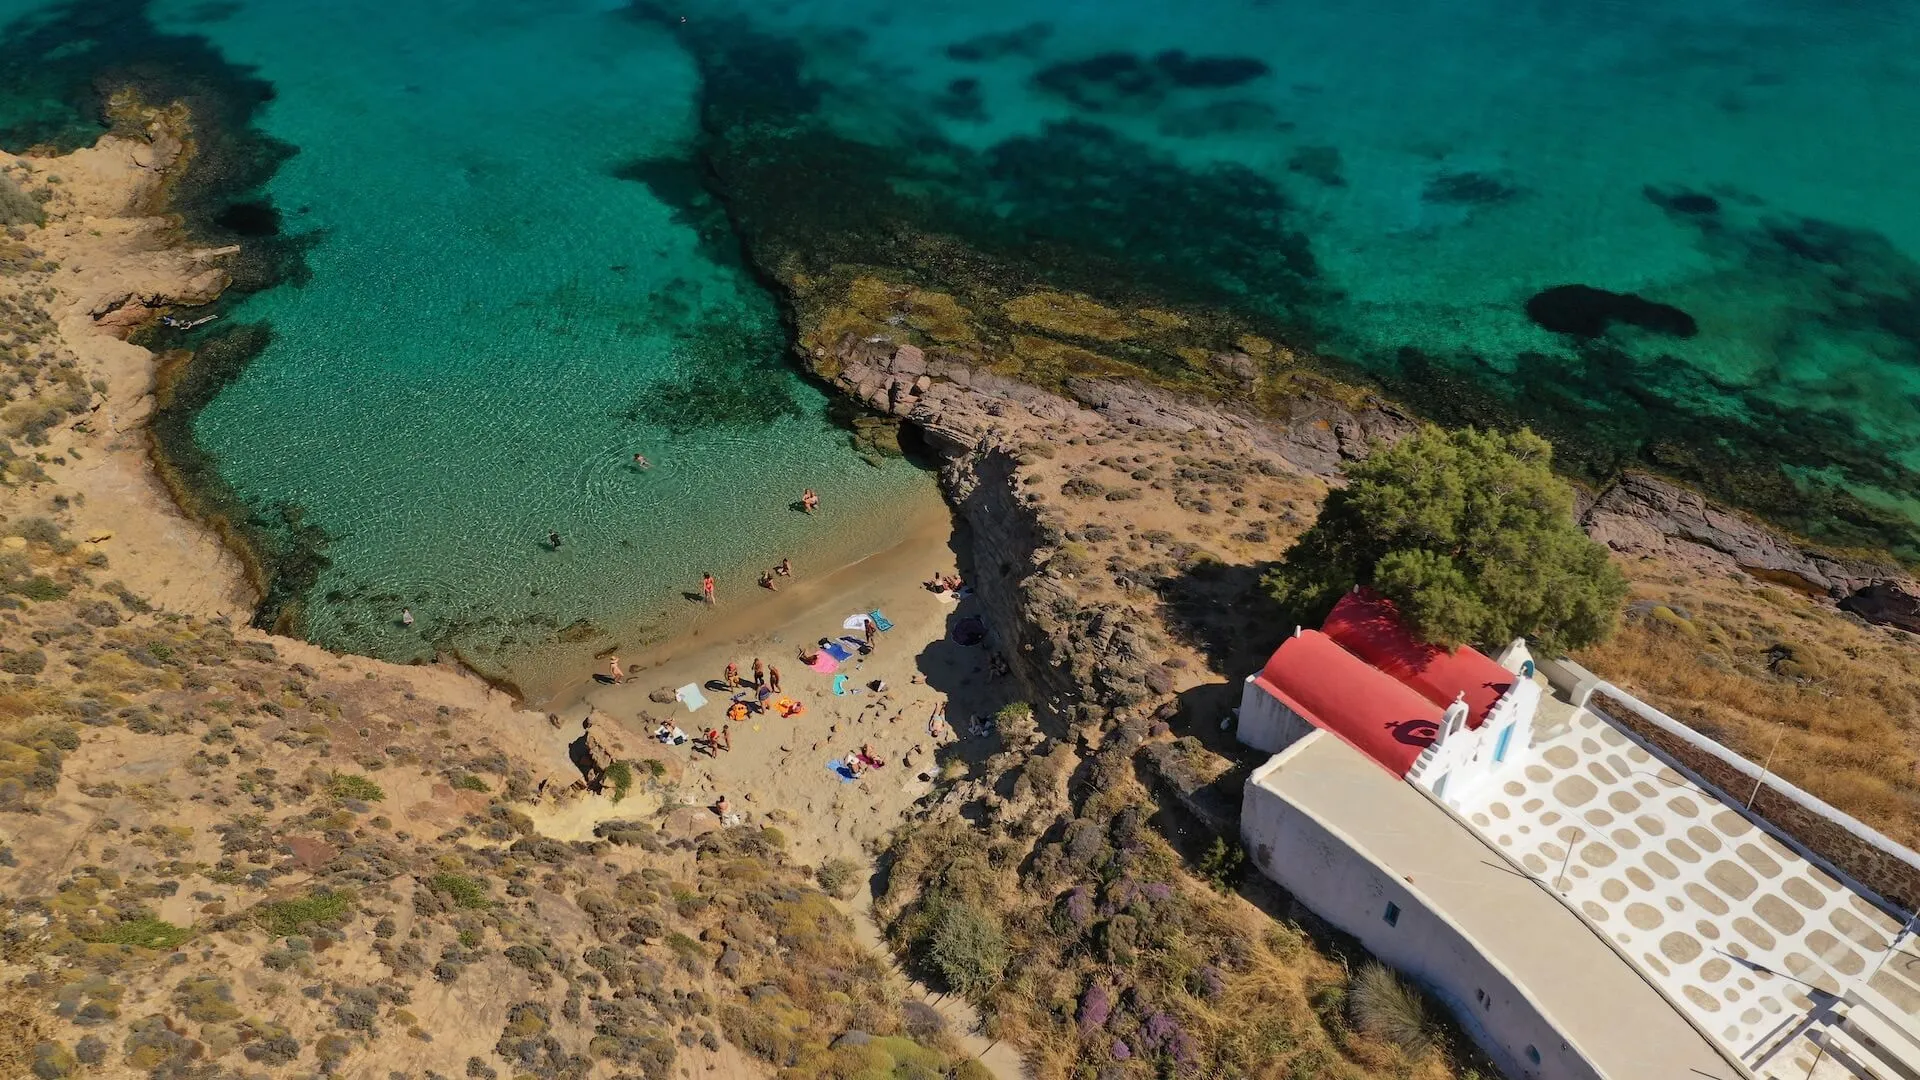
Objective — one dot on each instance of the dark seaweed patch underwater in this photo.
(1083, 204)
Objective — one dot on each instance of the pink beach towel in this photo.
(824, 664)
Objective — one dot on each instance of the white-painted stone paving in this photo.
(1734, 926)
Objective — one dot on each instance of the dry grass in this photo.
(1748, 664)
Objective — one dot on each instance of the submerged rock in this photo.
(1586, 312)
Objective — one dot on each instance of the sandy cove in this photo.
(119, 266)
(781, 764)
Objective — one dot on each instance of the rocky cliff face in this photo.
(1642, 515)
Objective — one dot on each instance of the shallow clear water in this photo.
(495, 322)
(514, 286)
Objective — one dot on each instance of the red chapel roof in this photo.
(1366, 624)
(1336, 691)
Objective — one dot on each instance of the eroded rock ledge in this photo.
(978, 420)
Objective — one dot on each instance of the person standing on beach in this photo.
(706, 586)
(809, 501)
(759, 674)
(726, 737)
(773, 678)
(613, 662)
(733, 675)
(873, 632)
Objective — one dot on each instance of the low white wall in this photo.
(1350, 891)
(1265, 724)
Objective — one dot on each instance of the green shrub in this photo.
(620, 775)
(838, 877)
(354, 786)
(285, 918)
(968, 948)
(1223, 864)
(470, 782)
(464, 891)
(144, 931)
(16, 206)
(1390, 1010)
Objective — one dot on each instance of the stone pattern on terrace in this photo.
(1732, 924)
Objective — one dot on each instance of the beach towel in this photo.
(854, 622)
(691, 697)
(835, 650)
(839, 685)
(839, 769)
(879, 620)
(824, 664)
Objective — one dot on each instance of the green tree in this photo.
(1472, 537)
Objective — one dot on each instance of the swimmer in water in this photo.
(406, 616)
(553, 539)
(640, 462)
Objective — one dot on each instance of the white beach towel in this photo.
(691, 697)
(854, 622)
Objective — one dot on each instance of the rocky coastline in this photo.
(961, 409)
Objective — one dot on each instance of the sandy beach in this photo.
(778, 764)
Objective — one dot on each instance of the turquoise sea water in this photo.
(516, 275)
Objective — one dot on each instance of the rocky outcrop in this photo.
(974, 417)
(1644, 515)
(955, 403)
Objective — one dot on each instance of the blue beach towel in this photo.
(835, 650)
(839, 769)
(879, 620)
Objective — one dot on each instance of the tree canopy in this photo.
(1470, 534)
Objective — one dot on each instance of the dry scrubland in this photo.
(1753, 664)
(1058, 900)
(219, 861)
(223, 854)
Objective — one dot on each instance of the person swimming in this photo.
(553, 539)
(810, 501)
(406, 616)
(640, 462)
